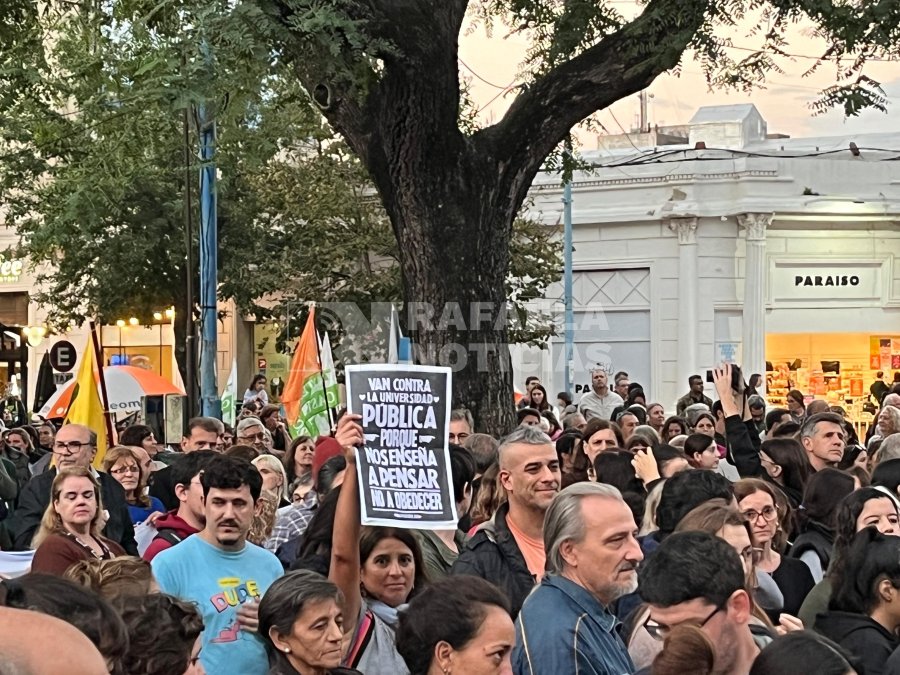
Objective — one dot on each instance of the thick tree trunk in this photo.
(454, 286)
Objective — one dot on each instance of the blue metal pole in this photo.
(567, 281)
(210, 405)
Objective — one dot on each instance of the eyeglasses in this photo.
(458, 438)
(769, 514)
(122, 470)
(70, 448)
(660, 631)
(254, 437)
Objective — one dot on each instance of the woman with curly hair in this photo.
(672, 427)
(163, 636)
(125, 577)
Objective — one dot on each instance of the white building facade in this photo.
(732, 247)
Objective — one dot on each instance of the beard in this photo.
(620, 587)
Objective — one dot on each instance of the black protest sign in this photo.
(404, 464)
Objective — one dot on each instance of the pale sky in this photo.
(784, 104)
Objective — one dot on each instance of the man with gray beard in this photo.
(565, 625)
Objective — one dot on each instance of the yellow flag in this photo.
(86, 407)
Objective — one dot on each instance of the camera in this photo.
(737, 379)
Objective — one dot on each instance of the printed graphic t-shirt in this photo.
(218, 582)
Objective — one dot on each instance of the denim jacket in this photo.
(562, 628)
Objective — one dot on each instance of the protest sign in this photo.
(404, 464)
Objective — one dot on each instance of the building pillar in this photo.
(688, 298)
(754, 314)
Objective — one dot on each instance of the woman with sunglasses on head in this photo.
(757, 503)
(122, 463)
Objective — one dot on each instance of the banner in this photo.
(229, 396)
(404, 465)
(329, 374)
(86, 407)
(304, 398)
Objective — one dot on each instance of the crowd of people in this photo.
(599, 536)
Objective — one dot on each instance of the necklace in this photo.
(99, 551)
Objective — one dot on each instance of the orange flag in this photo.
(305, 403)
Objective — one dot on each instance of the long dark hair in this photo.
(696, 443)
(680, 421)
(824, 493)
(872, 556)
(848, 513)
(451, 611)
(581, 462)
(256, 378)
(371, 536)
(545, 404)
(803, 652)
(790, 456)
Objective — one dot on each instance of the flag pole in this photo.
(322, 373)
(98, 358)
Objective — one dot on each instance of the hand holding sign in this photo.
(349, 434)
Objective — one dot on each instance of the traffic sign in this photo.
(63, 356)
(62, 378)
(261, 364)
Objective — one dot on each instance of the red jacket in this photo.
(170, 521)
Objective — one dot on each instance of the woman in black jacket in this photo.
(864, 613)
(824, 493)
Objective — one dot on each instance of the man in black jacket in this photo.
(203, 433)
(508, 550)
(75, 445)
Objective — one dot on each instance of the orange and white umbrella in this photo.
(125, 385)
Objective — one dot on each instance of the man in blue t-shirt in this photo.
(222, 573)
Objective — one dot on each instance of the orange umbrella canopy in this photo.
(125, 385)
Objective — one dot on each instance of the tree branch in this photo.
(620, 64)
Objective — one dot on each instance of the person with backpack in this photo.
(188, 518)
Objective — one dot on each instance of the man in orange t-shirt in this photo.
(508, 550)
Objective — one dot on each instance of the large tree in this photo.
(93, 169)
(385, 74)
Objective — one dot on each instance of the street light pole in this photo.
(567, 284)
(210, 405)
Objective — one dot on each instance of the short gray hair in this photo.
(463, 415)
(889, 449)
(527, 435)
(565, 521)
(808, 428)
(247, 422)
(756, 401)
(570, 421)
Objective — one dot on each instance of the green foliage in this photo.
(854, 34)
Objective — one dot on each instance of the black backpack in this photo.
(168, 535)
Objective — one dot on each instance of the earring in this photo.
(287, 650)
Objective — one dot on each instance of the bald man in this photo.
(24, 638)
